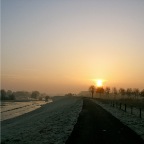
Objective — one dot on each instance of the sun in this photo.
(99, 83)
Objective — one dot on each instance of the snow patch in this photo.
(52, 123)
(13, 109)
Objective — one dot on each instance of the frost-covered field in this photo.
(13, 109)
(132, 121)
(52, 123)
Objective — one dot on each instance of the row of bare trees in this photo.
(93, 90)
(10, 95)
(129, 92)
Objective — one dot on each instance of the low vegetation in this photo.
(22, 95)
(131, 97)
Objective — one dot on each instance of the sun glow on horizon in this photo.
(99, 82)
(65, 47)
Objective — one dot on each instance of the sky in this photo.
(62, 46)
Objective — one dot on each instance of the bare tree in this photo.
(114, 91)
(92, 90)
(3, 94)
(47, 98)
(122, 92)
(107, 91)
(129, 92)
(35, 94)
(136, 92)
(100, 90)
(142, 93)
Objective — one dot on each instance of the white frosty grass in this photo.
(132, 121)
(50, 124)
(14, 109)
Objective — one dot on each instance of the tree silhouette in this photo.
(35, 94)
(129, 92)
(115, 92)
(12, 96)
(9, 93)
(47, 98)
(100, 90)
(92, 90)
(122, 91)
(142, 93)
(136, 92)
(107, 91)
(3, 94)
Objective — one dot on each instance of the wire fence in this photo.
(139, 112)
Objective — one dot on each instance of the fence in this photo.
(128, 108)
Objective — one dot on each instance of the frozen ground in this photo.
(51, 124)
(13, 109)
(132, 121)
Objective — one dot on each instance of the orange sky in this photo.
(59, 47)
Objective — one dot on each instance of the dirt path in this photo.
(97, 126)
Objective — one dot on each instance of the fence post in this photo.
(140, 112)
(120, 105)
(113, 103)
(125, 107)
(131, 110)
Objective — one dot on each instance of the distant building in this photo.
(85, 93)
